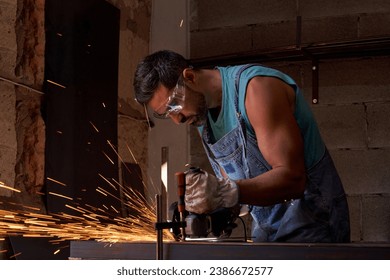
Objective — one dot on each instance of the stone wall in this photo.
(23, 131)
(22, 74)
(22, 141)
(134, 45)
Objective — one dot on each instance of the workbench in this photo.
(229, 250)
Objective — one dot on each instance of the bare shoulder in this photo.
(271, 91)
(269, 107)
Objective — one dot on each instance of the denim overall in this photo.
(321, 215)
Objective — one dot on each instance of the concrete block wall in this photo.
(353, 115)
(354, 100)
(232, 26)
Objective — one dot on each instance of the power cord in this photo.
(244, 226)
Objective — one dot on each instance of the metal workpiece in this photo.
(229, 251)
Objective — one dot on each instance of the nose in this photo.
(178, 118)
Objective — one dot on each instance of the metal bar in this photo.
(315, 77)
(165, 181)
(170, 225)
(353, 48)
(159, 243)
(181, 185)
(230, 250)
(299, 33)
(20, 85)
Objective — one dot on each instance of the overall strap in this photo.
(242, 69)
(237, 83)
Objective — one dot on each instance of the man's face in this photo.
(192, 110)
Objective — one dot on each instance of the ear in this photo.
(189, 75)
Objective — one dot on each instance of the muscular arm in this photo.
(269, 104)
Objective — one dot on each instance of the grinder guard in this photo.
(218, 224)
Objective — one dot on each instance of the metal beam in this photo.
(229, 250)
(319, 51)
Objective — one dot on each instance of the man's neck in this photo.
(214, 113)
(213, 89)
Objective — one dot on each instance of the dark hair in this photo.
(163, 67)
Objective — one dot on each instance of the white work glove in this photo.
(205, 193)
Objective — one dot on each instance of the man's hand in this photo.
(205, 193)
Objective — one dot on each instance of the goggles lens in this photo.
(175, 102)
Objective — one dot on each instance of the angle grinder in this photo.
(218, 224)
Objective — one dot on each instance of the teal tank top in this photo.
(314, 147)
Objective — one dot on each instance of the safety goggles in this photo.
(174, 103)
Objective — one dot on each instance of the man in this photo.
(262, 142)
